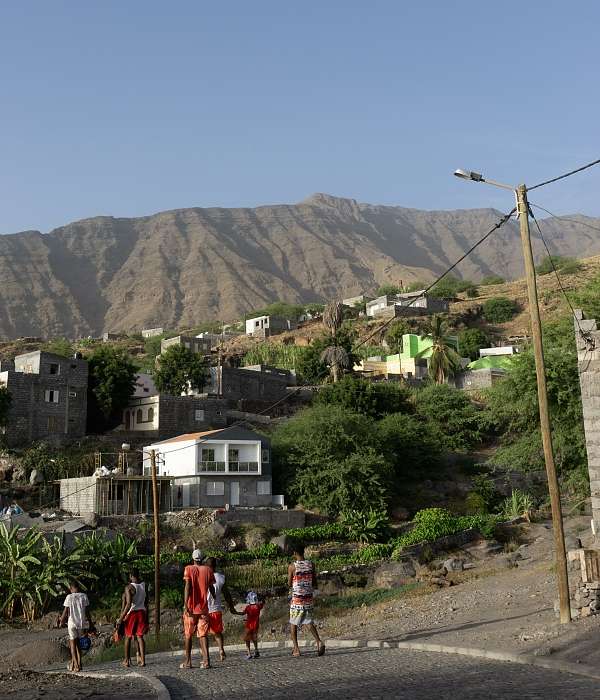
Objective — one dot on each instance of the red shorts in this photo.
(195, 623)
(136, 623)
(215, 622)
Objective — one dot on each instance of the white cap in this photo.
(198, 555)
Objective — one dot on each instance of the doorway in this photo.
(234, 493)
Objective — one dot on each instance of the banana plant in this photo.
(16, 560)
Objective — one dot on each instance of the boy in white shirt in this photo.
(76, 611)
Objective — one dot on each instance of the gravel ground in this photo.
(29, 685)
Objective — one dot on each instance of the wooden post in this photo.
(538, 350)
(156, 510)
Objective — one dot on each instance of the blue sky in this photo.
(128, 108)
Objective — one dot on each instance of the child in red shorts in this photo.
(251, 623)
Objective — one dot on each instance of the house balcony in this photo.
(235, 467)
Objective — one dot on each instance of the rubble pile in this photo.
(189, 518)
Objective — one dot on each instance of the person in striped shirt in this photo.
(302, 580)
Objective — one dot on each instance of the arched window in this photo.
(150, 415)
(139, 418)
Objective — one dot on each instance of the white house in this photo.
(144, 386)
(215, 468)
(500, 350)
(263, 326)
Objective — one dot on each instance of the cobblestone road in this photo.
(368, 674)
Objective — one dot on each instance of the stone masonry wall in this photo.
(588, 360)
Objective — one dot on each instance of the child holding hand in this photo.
(252, 612)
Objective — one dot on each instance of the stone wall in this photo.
(78, 496)
(588, 360)
(267, 517)
(584, 582)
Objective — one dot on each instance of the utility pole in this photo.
(156, 510)
(538, 349)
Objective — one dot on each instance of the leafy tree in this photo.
(60, 346)
(443, 361)
(512, 409)
(309, 368)
(449, 286)
(564, 264)
(180, 369)
(588, 298)
(356, 482)
(375, 400)
(5, 404)
(314, 308)
(499, 310)
(492, 279)
(450, 412)
(470, 341)
(319, 446)
(279, 308)
(111, 384)
(411, 444)
(417, 286)
(393, 337)
(387, 289)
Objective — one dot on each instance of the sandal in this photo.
(321, 649)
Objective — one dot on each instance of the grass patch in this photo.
(368, 598)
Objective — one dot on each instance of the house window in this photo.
(54, 368)
(256, 324)
(215, 488)
(208, 454)
(199, 414)
(72, 394)
(234, 454)
(150, 415)
(51, 396)
(263, 488)
(265, 455)
(139, 416)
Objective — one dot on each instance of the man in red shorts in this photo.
(134, 613)
(199, 583)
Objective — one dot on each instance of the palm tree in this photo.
(337, 359)
(333, 316)
(444, 361)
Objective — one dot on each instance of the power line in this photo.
(496, 226)
(587, 337)
(562, 177)
(565, 218)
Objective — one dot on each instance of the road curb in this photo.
(157, 685)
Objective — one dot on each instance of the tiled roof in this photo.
(189, 436)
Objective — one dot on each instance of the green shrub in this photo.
(499, 310)
(517, 504)
(366, 526)
(474, 504)
(171, 598)
(492, 279)
(558, 262)
(317, 533)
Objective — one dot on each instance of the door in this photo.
(234, 493)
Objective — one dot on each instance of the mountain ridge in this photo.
(182, 266)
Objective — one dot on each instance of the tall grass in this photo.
(284, 356)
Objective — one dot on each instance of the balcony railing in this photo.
(243, 467)
(211, 466)
(237, 467)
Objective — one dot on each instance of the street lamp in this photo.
(538, 350)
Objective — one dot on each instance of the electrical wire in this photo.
(562, 177)
(496, 226)
(586, 335)
(565, 218)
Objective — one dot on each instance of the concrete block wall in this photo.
(588, 360)
(78, 496)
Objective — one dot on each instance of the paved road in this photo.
(368, 674)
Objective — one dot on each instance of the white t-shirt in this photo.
(77, 603)
(215, 604)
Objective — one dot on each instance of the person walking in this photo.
(215, 606)
(76, 615)
(134, 615)
(199, 584)
(302, 580)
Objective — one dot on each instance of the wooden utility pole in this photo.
(538, 349)
(156, 510)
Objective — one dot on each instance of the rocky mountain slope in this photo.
(179, 267)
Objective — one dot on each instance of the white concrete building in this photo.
(502, 350)
(215, 468)
(144, 386)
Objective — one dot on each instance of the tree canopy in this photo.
(499, 310)
(180, 369)
(452, 414)
(375, 400)
(470, 341)
(111, 384)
